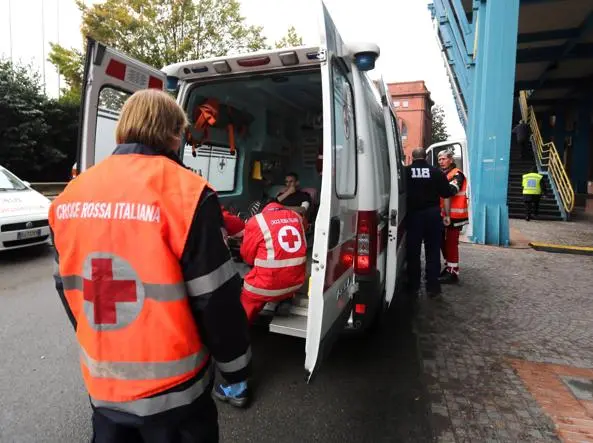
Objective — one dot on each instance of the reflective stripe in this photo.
(280, 263)
(158, 292)
(56, 270)
(261, 221)
(270, 292)
(455, 185)
(452, 265)
(210, 282)
(236, 364)
(458, 211)
(142, 370)
(160, 403)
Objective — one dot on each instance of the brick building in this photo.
(413, 105)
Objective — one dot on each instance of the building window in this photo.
(404, 131)
(396, 104)
(405, 104)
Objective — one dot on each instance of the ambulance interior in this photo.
(277, 126)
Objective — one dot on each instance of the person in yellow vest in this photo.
(533, 189)
(455, 220)
(148, 284)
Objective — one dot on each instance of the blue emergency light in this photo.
(172, 83)
(365, 61)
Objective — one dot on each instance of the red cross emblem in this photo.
(289, 239)
(104, 292)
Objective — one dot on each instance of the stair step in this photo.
(295, 325)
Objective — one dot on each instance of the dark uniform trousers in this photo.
(426, 226)
(201, 427)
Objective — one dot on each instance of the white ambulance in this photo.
(311, 110)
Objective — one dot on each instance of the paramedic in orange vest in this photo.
(147, 282)
(275, 245)
(454, 221)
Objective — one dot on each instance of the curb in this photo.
(562, 249)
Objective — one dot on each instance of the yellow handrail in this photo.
(548, 156)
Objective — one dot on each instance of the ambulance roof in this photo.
(246, 62)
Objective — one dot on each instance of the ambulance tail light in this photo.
(366, 243)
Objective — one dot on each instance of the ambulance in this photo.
(312, 110)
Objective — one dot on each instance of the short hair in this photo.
(293, 174)
(419, 153)
(150, 117)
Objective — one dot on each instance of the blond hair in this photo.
(150, 117)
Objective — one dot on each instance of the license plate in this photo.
(28, 234)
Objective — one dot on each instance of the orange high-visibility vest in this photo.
(459, 209)
(120, 239)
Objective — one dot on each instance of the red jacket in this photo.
(233, 224)
(275, 245)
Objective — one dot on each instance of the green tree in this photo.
(439, 126)
(160, 32)
(290, 39)
(37, 135)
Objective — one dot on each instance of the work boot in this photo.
(444, 271)
(449, 278)
(236, 394)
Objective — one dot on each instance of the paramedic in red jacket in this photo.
(274, 244)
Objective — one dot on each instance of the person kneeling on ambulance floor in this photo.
(148, 284)
(274, 244)
(455, 220)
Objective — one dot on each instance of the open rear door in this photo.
(332, 273)
(110, 77)
(397, 199)
(461, 157)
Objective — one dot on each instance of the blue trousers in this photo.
(424, 226)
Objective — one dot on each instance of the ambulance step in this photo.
(295, 325)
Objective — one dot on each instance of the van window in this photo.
(215, 163)
(399, 152)
(344, 135)
(111, 101)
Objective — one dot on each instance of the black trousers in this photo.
(531, 205)
(201, 427)
(424, 226)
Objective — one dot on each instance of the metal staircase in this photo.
(549, 164)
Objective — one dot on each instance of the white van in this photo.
(288, 108)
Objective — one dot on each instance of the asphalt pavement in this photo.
(369, 389)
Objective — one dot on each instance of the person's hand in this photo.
(447, 220)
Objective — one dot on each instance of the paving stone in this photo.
(510, 305)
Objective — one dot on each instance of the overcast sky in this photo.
(402, 28)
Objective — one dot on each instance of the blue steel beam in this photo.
(537, 2)
(453, 45)
(550, 53)
(490, 118)
(567, 47)
(556, 34)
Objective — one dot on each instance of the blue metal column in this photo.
(580, 156)
(490, 118)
